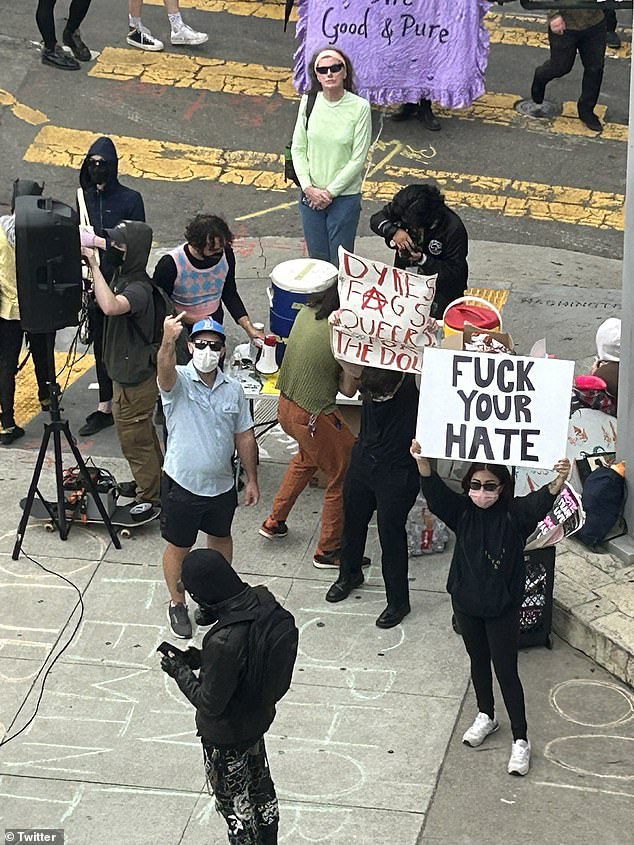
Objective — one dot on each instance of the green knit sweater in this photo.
(309, 375)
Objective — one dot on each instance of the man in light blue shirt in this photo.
(207, 418)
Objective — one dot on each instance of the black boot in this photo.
(58, 58)
(404, 111)
(430, 121)
(79, 49)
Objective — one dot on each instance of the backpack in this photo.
(289, 167)
(163, 307)
(603, 499)
(273, 641)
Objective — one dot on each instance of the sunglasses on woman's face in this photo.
(489, 486)
(322, 70)
(214, 345)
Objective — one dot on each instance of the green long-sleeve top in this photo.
(331, 153)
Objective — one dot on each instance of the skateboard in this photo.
(120, 517)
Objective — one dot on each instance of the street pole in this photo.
(623, 547)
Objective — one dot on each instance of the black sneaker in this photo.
(95, 422)
(179, 620)
(59, 58)
(8, 435)
(591, 121)
(613, 40)
(144, 39)
(79, 49)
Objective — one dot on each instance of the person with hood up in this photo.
(11, 333)
(107, 203)
(487, 578)
(128, 353)
(230, 719)
(428, 238)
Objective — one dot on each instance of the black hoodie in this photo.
(114, 202)
(128, 356)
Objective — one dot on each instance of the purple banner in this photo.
(401, 50)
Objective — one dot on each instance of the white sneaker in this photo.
(186, 35)
(144, 39)
(479, 730)
(520, 759)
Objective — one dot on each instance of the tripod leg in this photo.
(63, 523)
(31, 494)
(85, 474)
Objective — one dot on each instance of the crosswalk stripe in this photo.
(168, 161)
(20, 110)
(217, 75)
(499, 32)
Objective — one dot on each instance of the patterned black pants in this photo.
(245, 795)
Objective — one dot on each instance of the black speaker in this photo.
(48, 264)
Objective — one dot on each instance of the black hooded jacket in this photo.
(114, 202)
(128, 352)
(487, 573)
(445, 244)
(227, 713)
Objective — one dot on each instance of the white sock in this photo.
(135, 23)
(176, 21)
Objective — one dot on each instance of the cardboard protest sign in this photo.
(436, 49)
(499, 409)
(384, 315)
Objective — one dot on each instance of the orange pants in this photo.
(327, 449)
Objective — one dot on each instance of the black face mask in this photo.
(98, 171)
(114, 257)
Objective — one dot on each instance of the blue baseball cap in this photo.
(207, 325)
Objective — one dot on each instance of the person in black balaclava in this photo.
(380, 478)
(231, 720)
(107, 202)
(11, 332)
(128, 351)
(428, 238)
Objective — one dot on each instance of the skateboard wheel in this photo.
(125, 532)
(49, 527)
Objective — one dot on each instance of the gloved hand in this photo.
(191, 657)
(87, 237)
(172, 666)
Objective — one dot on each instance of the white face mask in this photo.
(205, 360)
(484, 498)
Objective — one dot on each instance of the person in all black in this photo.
(107, 202)
(200, 275)
(381, 478)
(612, 38)
(487, 580)
(421, 109)
(231, 720)
(52, 53)
(428, 238)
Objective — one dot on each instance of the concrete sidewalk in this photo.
(366, 747)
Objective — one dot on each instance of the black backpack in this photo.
(163, 307)
(273, 641)
(603, 499)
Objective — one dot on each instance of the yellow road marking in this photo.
(169, 161)
(26, 113)
(27, 404)
(218, 75)
(499, 32)
(264, 211)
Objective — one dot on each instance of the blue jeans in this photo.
(325, 231)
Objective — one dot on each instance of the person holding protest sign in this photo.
(486, 582)
(428, 238)
(308, 382)
(329, 149)
(380, 478)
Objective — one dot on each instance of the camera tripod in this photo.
(55, 428)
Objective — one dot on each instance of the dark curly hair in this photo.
(426, 207)
(348, 83)
(500, 472)
(325, 302)
(205, 228)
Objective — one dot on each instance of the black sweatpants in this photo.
(245, 795)
(590, 44)
(391, 492)
(11, 335)
(496, 640)
(46, 21)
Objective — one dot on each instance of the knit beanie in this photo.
(208, 576)
(609, 340)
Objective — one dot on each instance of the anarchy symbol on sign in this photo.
(374, 300)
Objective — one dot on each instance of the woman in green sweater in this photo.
(308, 382)
(329, 150)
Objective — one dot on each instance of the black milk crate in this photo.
(536, 613)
